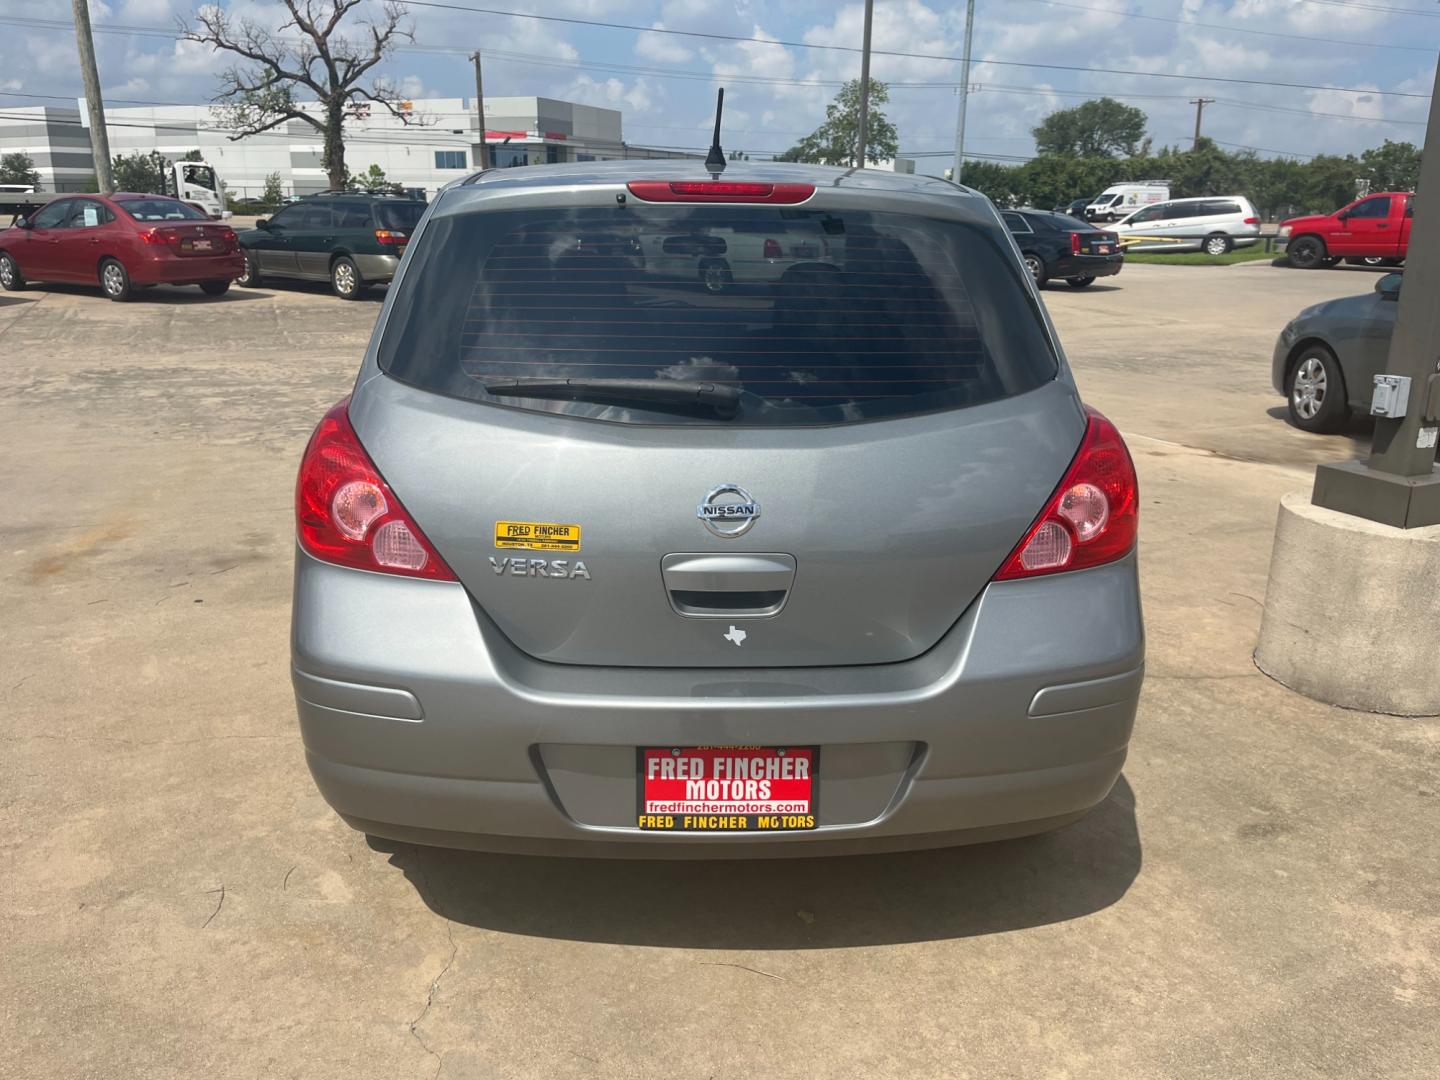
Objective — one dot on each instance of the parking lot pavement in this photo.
(1258, 898)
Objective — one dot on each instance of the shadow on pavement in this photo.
(152, 294)
(7, 301)
(1354, 437)
(373, 293)
(789, 904)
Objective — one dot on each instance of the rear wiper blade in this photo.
(724, 400)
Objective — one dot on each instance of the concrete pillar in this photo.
(1352, 611)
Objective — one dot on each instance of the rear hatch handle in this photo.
(709, 586)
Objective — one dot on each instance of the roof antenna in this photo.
(715, 160)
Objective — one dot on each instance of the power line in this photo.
(1232, 29)
(906, 55)
(1375, 7)
(1264, 149)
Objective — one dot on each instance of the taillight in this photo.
(346, 514)
(1093, 516)
(391, 237)
(719, 191)
(1252, 221)
(165, 237)
(228, 235)
(772, 249)
(1074, 243)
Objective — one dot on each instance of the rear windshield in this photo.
(818, 317)
(399, 216)
(160, 209)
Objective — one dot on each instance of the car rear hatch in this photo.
(190, 239)
(1098, 242)
(823, 468)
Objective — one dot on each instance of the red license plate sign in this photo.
(727, 788)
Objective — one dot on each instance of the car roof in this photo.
(769, 172)
(1057, 216)
(1197, 198)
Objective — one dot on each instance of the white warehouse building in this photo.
(439, 143)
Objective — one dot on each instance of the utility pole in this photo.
(99, 138)
(484, 161)
(1400, 484)
(1200, 104)
(964, 93)
(864, 89)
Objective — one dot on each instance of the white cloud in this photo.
(661, 48)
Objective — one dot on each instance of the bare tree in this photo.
(306, 53)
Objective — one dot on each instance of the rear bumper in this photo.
(1089, 266)
(377, 269)
(422, 723)
(186, 270)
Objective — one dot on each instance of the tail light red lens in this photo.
(1092, 518)
(391, 237)
(719, 191)
(164, 237)
(1252, 221)
(1074, 243)
(772, 249)
(346, 514)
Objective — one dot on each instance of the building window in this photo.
(507, 157)
(554, 154)
(449, 159)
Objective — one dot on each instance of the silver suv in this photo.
(601, 559)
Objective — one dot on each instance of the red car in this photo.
(120, 242)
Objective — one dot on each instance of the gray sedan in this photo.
(1327, 357)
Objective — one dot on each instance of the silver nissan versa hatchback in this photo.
(677, 515)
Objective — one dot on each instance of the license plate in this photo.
(200, 245)
(1104, 249)
(726, 788)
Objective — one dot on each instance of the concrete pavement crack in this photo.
(435, 983)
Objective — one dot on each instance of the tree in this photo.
(18, 168)
(140, 172)
(834, 141)
(193, 155)
(274, 193)
(309, 54)
(1100, 128)
(372, 179)
(1395, 166)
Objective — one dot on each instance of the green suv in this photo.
(350, 239)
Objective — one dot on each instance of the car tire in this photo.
(215, 288)
(11, 279)
(1307, 253)
(715, 275)
(115, 280)
(345, 279)
(1080, 282)
(1217, 244)
(1036, 266)
(250, 276)
(1315, 396)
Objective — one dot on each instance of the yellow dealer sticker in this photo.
(537, 535)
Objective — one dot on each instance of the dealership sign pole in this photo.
(1400, 484)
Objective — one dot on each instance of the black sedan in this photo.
(1059, 246)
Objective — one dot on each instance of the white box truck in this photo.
(1117, 200)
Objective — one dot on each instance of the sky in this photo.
(776, 93)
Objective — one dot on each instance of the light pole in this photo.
(1400, 484)
(964, 92)
(95, 106)
(864, 88)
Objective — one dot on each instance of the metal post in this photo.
(1400, 484)
(484, 161)
(99, 138)
(964, 93)
(864, 89)
(1200, 104)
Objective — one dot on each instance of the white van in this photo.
(1118, 200)
(1214, 225)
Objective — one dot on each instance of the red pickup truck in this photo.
(1375, 228)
